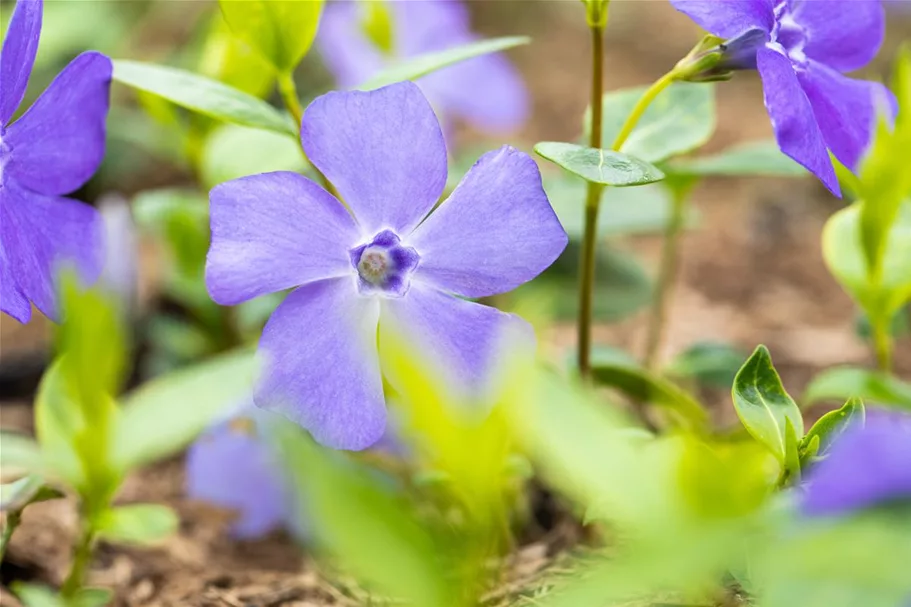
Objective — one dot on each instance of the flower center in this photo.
(384, 266)
(787, 35)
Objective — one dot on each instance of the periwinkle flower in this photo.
(802, 48)
(357, 39)
(868, 466)
(389, 270)
(50, 151)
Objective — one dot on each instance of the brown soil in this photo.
(752, 273)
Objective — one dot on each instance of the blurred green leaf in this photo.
(899, 327)
(226, 58)
(20, 453)
(27, 490)
(282, 32)
(91, 597)
(58, 420)
(414, 68)
(137, 523)
(711, 363)
(204, 95)
(622, 285)
(374, 533)
(233, 151)
(679, 120)
(638, 384)
(756, 158)
(181, 219)
(763, 405)
(599, 166)
(833, 424)
(843, 383)
(35, 595)
(167, 413)
(880, 297)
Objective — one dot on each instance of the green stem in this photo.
(592, 201)
(667, 277)
(882, 344)
(289, 95)
(82, 555)
(12, 521)
(639, 109)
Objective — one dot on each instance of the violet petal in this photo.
(846, 35)
(18, 55)
(12, 301)
(728, 18)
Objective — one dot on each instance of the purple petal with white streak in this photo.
(18, 55)
(728, 18)
(384, 152)
(274, 231)
(845, 35)
(321, 368)
(495, 232)
(59, 142)
(792, 116)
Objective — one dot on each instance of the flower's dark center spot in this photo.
(384, 266)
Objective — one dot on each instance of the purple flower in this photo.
(233, 466)
(802, 48)
(51, 150)
(485, 91)
(387, 270)
(867, 466)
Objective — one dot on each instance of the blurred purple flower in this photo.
(802, 48)
(486, 91)
(51, 150)
(390, 271)
(233, 466)
(867, 466)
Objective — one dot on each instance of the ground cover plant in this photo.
(352, 347)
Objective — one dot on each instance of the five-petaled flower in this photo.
(359, 39)
(50, 151)
(868, 466)
(388, 270)
(802, 48)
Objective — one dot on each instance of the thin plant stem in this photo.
(82, 555)
(882, 344)
(639, 109)
(12, 521)
(289, 95)
(592, 201)
(667, 277)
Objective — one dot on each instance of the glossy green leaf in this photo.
(756, 158)
(167, 413)
(137, 523)
(844, 255)
(414, 68)
(234, 151)
(711, 363)
(679, 120)
(638, 384)
(20, 453)
(599, 166)
(27, 490)
(372, 531)
(842, 383)
(833, 424)
(204, 95)
(763, 405)
(282, 32)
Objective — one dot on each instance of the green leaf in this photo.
(34, 595)
(599, 166)
(833, 424)
(763, 405)
(372, 531)
(414, 68)
(842, 383)
(20, 453)
(204, 95)
(638, 384)
(137, 523)
(711, 363)
(282, 32)
(181, 218)
(234, 151)
(167, 413)
(679, 120)
(791, 454)
(753, 159)
(844, 255)
(58, 421)
(230, 60)
(92, 597)
(27, 490)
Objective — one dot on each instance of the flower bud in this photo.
(596, 12)
(716, 59)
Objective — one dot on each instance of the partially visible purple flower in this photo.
(389, 270)
(51, 150)
(232, 465)
(802, 48)
(867, 466)
(486, 91)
